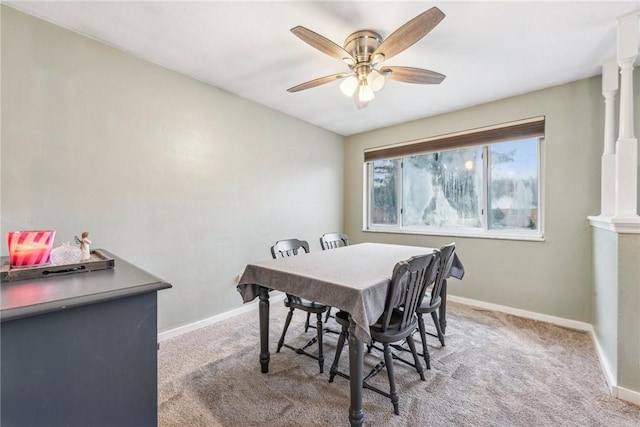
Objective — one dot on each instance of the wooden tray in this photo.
(99, 261)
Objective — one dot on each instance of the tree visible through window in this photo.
(385, 201)
(490, 188)
(513, 202)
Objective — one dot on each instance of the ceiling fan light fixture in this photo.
(375, 80)
(349, 86)
(365, 93)
(360, 104)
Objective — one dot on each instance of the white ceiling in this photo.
(487, 49)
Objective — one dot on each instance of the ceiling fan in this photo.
(365, 50)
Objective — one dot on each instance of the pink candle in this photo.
(30, 248)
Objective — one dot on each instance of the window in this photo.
(482, 183)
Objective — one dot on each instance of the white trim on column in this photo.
(619, 225)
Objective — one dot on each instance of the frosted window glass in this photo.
(513, 202)
(443, 189)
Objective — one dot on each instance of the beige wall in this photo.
(605, 295)
(553, 277)
(628, 361)
(616, 322)
(180, 178)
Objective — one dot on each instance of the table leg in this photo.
(263, 308)
(442, 311)
(356, 354)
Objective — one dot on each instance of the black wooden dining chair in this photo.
(291, 247)
(432, 300)
(397, 322)
(332, 241)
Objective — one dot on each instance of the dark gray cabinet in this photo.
(80, 349)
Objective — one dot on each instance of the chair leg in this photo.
(341, 339)
(306, 323)
(436, 322)
(416, 360)
(284, 331)
(320, 354)
(423, 337)
(326, 319)
(393, 392)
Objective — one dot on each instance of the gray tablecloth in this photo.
(352, 278)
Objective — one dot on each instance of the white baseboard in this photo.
(604, 364)
(245, 308)
(567, 323)
(630, 396)
(621, 393)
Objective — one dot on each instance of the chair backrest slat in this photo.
(288, 247)
(407, 287)
(333, 240)
(446, 262)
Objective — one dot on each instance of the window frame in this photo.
(484, 231)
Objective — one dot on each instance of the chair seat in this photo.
(428, 305)
(293, 301)
(394, 332)
(342, 317)
(394, 323)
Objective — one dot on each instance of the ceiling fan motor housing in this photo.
(361, 46)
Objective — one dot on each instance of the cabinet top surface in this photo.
(31, 297)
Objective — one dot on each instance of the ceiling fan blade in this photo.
(323, 44)
(318, 82)
(412, 75)
(409, 33)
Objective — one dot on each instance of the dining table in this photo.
(352, 278)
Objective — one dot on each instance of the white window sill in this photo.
(474, 234)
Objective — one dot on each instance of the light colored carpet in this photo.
(496, 370)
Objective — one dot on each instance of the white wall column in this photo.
(619, 181)
(627, 144)
(608, 179)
